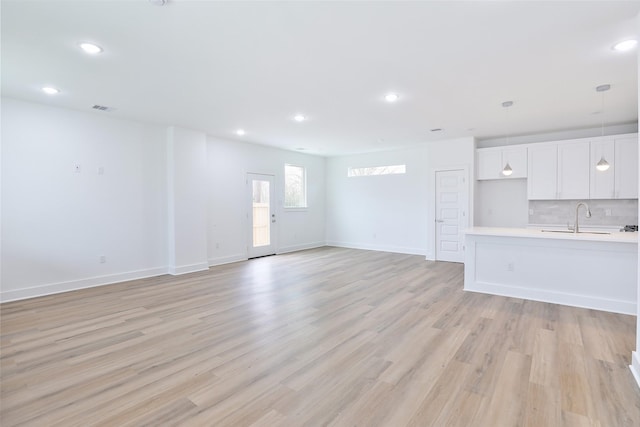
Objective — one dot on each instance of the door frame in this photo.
(431, 217)
(249, 214)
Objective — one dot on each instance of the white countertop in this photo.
(617, 237)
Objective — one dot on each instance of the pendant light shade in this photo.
(507, 170)
(602, 165)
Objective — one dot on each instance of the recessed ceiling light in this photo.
(625, 46)
(90, 48)
(240, 132)
(391, 97)
(50, 90)
(299, 118)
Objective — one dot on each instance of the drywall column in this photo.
(635, 356)
(187, 196)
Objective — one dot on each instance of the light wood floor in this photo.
(330, 336)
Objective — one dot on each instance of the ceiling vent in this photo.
(103, 108)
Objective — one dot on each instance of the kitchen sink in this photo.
(579, 232)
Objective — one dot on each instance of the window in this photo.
(377, 170)
(295, 187)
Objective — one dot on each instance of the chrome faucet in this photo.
(575, 227)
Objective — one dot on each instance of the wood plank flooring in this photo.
(325, 337)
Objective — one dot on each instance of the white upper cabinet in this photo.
(626, 167)
(620, 181)
(567, 169)
(542, 183)
(488, 163)
(492, 161)
(602, 182)
(573, 170)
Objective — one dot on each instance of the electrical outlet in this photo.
(103, 259)
(510, 267)
(607, 212)
(530, 211)
(100, 170)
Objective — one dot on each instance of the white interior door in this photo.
(452, 218)
(261, 214)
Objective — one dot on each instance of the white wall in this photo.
(228, 195)
(501, 203)
(168, 200)
(187, 200)
(56, 223)
(391, 212)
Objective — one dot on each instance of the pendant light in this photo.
(602, 164)
(507, 170)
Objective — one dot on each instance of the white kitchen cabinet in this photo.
(488, 163)
(602, 185)
(620, 181)
(626, 167)
(573, 170)
(491, 162)
(542, 182)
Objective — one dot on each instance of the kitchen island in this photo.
(591, 270)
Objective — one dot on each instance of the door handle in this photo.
(439, 220)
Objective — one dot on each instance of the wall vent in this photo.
(103, 108)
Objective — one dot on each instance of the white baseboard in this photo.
(635, 366)
(72, 285)
(305, 246)
(583, 301)
(227, 259)
(185, 269)
(379, 248)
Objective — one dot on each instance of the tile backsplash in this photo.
(603, 212)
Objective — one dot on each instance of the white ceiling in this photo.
(219, 66)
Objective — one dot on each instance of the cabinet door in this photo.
(517, 159)
(626, 168)
(573, 170)
(489, 160)
(542, 168)
(602, 182)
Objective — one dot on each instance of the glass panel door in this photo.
(262, 219)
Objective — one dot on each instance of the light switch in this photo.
(77, 168)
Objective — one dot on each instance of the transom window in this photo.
(377, 170)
